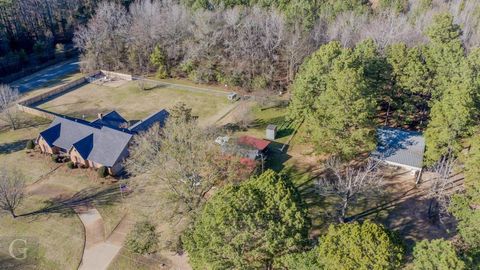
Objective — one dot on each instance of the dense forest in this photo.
(34, 31)
(254, 45)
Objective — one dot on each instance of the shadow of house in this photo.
(7, 148)
(87, 196)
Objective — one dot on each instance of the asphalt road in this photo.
(38, 79)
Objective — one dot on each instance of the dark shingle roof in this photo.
(84, 146)
(108, 146)
(400, 146)
(143, 125)
(112, 119)
(101, 141)
(68, 131)
(51, 134)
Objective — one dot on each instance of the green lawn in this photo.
(51, 233)
(276, 116)
(13, 155)
(133, 103)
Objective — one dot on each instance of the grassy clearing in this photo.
(50, 231)
(193, 84)
(128, 260)
(14, 155)
(276, 116)
(132, 102)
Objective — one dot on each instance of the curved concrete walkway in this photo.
(98, 252)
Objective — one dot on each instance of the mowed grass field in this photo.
(135, 104)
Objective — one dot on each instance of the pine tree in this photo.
(246, 226)
(445, 52)
(352, 246)
(159, 60)
(465, 207)
(451, 118)
(411, 84)
(310, 82)
(436, 254)
(334, 95)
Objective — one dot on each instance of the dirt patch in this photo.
(408, 211)
(115, 83)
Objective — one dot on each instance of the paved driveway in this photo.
(100, 252)
(38, 79)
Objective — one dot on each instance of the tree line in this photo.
(345, 93)
(251, 44)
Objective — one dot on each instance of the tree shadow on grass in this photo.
(306, 184)
(275, 158)
(7, 148)
(88, 196)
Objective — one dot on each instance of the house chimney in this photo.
(100, 115)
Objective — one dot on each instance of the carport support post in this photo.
(419, 177)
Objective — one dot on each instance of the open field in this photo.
(134, 104)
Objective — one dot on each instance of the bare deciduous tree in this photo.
(348, 183)
(103, 39)
(12, 189)
(441, 187)
(180, 165)
(8, 111)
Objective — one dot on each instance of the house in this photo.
(101, 143)
(400, 148)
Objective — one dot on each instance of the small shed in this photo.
(271, 132)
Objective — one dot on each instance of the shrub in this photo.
(59, 48)
(30, 145)
(143, 239)
(229, 79)
(259, 83)
(102, 172)
(54, 158)
(22, 56)
(187, 67)
(70, 165)
(158, 58)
